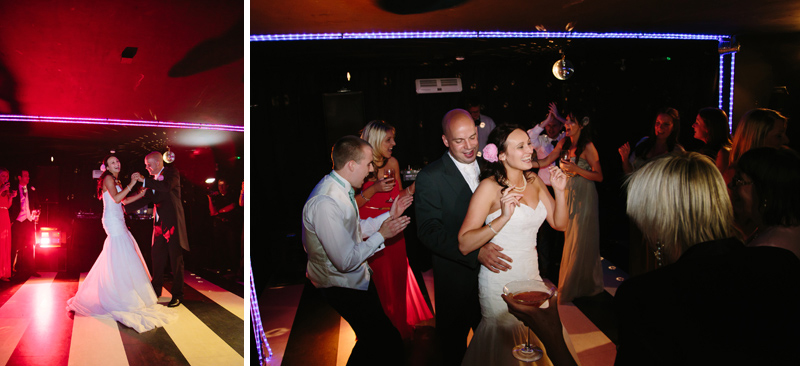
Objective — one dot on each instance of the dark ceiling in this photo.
(137, 60)
(771, 26)
(667, 16)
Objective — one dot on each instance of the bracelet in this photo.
(362, 196)
(491, 228)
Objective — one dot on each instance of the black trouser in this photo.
(160, 253)
(457, 311)
(549, 245)
(378, 341)
(226, 244)
(22, 241)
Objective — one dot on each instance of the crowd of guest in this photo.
(19, 211)
(715, 238)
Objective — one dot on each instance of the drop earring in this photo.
(658, 255)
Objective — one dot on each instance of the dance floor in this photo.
(303, 330)
(36, 329)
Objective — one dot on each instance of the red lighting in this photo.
(48, 237)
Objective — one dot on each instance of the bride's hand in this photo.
(558, 179)
(509, 202)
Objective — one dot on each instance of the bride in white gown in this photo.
(118, 285)
(507, 209)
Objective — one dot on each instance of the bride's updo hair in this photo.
(103, 176)
(496, 169)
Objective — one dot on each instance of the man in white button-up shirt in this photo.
(338, 244)
(544, 138)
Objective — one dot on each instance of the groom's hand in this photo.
(490, 257)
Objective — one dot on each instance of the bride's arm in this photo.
(474, 234)
(557, 211)
(134, 198)
(111, 187)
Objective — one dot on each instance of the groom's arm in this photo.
(137, 204)
(171, 179)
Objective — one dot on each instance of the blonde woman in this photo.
(710, 294)
(397, 286)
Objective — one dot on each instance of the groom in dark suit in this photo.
(443, 192)
(169, 226)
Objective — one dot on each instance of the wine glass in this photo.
(564, 155)
(529, 292)
(388, 173)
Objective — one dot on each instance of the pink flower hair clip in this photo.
(490, 153)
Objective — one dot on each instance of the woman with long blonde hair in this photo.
(395, 282)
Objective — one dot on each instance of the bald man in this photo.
(169, 226)
(443, 192)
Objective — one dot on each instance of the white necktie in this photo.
(25, 212)
(472, 177)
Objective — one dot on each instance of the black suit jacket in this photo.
(721, 303)
(168, 204)
(33, 204)
(441, 201)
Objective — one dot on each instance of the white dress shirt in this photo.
(543, 145)
(333, 236)
(24, 204)
(155, 211)
(471, 172)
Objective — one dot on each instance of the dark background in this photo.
(73, 59)
(299, 92)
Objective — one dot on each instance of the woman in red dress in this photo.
(397, 287)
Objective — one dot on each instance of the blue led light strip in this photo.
(264, 351)
(730, 95)
(482, 34)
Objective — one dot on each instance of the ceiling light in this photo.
(120, 122)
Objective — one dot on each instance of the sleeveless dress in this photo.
(499, 331)
(118, 285)
(397, 287)
(581, 273)
(5, 237)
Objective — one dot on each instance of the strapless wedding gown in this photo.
(118, 285)
(499, 331)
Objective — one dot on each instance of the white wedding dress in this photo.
(499, 331)
(118, 285)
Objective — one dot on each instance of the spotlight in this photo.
(48, 237)
(210, 180)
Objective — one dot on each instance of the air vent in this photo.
(440, 85)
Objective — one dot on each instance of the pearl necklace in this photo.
(524, 185)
